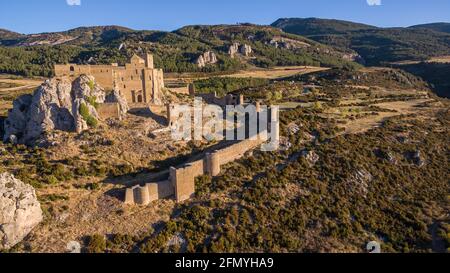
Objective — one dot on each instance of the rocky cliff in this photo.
(206, 58)
(244, 49)
(58, 104)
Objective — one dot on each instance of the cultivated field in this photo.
(12, 87)
(178, 82)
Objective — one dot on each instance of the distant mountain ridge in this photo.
(441, 27)
(6, 34)
(176, 51)
(377, 46)
(76, 36)
(317, 26)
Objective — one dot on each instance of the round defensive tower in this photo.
(213, 164)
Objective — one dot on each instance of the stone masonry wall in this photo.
(181, 182)
(108, 111)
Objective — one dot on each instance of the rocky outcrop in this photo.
(206, 58)
(233, 49)
(20, 211)
(355, 57)
(115, 97)
(416, 158)
(358, 182)
(244, 50)
(286, 43)
(311, 157)
(58, 104)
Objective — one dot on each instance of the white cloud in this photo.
(374, 2)
(73, 2)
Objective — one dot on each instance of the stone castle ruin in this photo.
(181, 180)
(139, 81)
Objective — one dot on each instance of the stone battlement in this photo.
(181, 182)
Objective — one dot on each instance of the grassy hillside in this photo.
(174, 51)
(377, 46)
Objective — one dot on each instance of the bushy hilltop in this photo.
(176, 51)
(9, 35)
(441, 27)
(377, 46)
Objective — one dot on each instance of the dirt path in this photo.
(18, 88)
(276, 73)
(31, 82)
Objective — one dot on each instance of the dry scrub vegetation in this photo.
(365, 157)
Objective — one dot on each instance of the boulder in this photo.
(20, 211)
(55, 105)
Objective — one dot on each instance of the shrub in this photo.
(93, 101)
(84, 111)
(90, 120)
(91, 85)
(50, 179)
(96, 244)
(92, 186)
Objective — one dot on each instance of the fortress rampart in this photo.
(181, 181)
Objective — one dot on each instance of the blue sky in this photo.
(35, 16)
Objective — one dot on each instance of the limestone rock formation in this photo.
(246, 50)
(358, 182)
(311, 157)
(354, 57)
(20, 211)
(286, 43)
(115, 97)
(58, 104)
(233, 49)
(206, 58)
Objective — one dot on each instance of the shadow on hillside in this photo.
(146, 113)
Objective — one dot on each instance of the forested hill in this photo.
(316, 26)
(377, 46)
(441, 27)
(175, 51)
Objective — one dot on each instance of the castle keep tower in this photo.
(138, 81)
